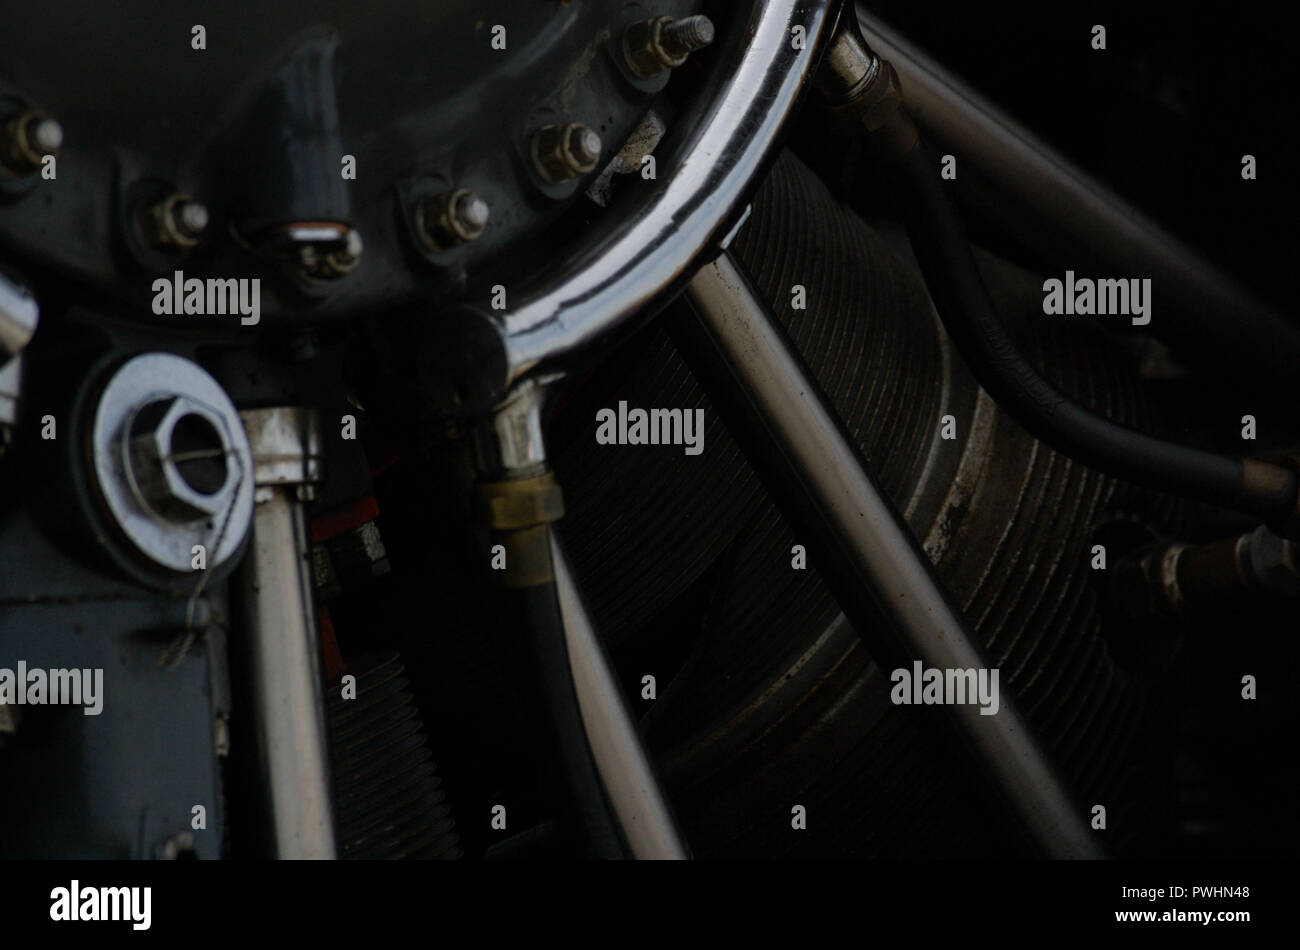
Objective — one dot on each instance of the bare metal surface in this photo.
(11, 388)
(876, 549)
(283, 645)
(288, 702)
(653, 46)
(621, 761)
(26, 139)
(1273, 561)
(19, 315)
(510, 441)
(221, 521)
(176, 221)
(286, 445)
(644, 248)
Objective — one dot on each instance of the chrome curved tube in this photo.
(705, 166)
(644, 247)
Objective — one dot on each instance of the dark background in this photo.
(1163, 114)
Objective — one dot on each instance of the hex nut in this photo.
(653, 46)
(177, 459)
(26, 139)
(176, 221)
(451, 218)
(562, 152)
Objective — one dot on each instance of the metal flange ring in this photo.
(172, 461)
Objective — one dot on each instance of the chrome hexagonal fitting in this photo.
(177, 459)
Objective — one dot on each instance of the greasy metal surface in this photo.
(142, 380)
(150, 755)
(705, 163)
(386, 786)
(625, 769)
(286, 444)
(288, 712)
(19, 314)
(778, 701)
(875, 552)
(509, 442)
(449, 109)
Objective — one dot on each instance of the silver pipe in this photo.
(621, 761)
(868, 549)
(642, 249)
(284, 647)
(1039, 189)
(19, 315)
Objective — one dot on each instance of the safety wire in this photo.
(180, 646)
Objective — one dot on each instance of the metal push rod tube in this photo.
(866, 553)
(625, 770)
(1038, 189)
(283, 646)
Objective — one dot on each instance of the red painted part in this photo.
(324, 527)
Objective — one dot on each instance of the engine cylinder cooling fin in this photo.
(388, 797)
(782, 698)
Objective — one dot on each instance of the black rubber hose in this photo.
(538, 609)
(1262, 489)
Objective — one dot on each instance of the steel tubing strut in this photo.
(625, 770)
(866, 552)
(1037, 189)
(283, 644)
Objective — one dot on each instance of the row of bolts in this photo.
(559, 152)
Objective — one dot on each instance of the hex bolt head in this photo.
(451, 218)
(176, 459)
(175, 222)
(26, 139)
(562, 152)
(653, 46)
